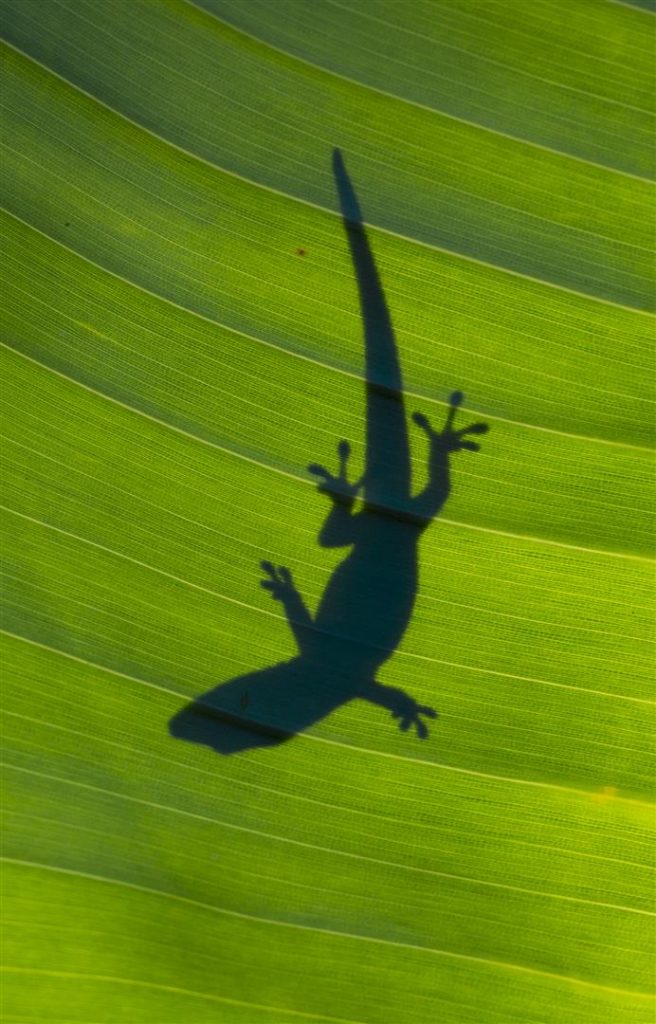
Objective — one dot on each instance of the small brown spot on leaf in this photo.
(300, 252)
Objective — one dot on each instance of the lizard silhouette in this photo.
(368, 601)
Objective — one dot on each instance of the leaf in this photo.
(182, 337)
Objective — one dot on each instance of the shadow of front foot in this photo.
(337, 487)
(408, 711)
(279, 583)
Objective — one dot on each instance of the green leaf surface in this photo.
(181, 337)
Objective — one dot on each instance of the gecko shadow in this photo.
(368, 601)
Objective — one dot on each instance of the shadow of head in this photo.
(198, 723)
(261, 709)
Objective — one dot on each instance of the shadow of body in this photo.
(368, 602)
